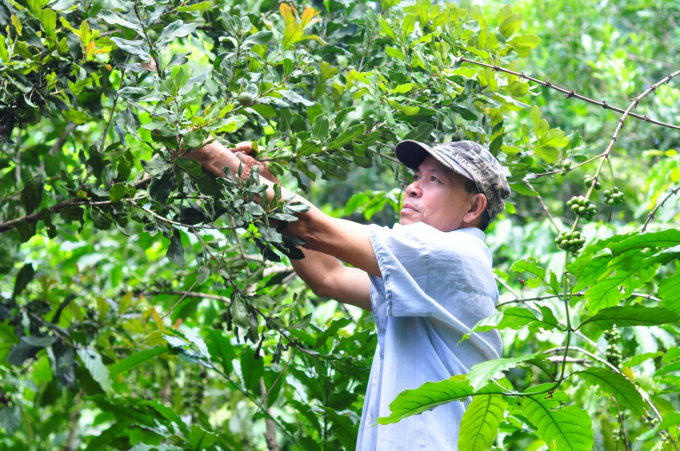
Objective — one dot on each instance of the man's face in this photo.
(438, 198)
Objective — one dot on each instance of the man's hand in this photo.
(242, 151)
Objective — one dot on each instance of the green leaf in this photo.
(347, 136)
(420, 133)
(672, 354)
(24, 276)
(430, 395)
(402, 88)
(565, 429)
(31, 196)
(385, 28)
(93, 362)
(135, 360)
(669, 292)
(292, 34)
(161, 187)
(221, 350)
(177, 29)
(138, 48)
(251, 368)
(118, 192)
(510, 25)
(639, 358)
(200, 439)
(4, 54)
(483, 372)
(309, 147)
(175, 251)
(524, 43)
(479, 425)
(631, 315)
(261, 37)
(615, 385)
(529, 265)
(113, 19)
(100, 220)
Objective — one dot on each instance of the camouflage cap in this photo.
(467, 158)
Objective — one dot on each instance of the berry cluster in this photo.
(613, 197)
(582, 207)
(589, 180)
(613, 353)
(571, 242)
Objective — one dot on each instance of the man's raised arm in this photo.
(326, 238)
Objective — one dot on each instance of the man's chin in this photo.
(406, 220)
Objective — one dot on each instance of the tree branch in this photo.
(650, 216)
(570, 93)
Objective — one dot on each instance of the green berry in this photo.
(246, 99)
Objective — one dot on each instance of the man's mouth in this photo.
(408, 207)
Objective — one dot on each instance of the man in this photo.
(428, 280)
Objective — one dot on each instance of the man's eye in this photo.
(416, 177)
(433, 179)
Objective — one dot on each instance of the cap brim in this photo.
(413, 153)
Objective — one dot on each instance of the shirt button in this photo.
(370, 419)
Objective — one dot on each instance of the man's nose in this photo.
(413, 189)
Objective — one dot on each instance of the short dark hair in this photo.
(484, 219)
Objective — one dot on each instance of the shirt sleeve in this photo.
(403, 255)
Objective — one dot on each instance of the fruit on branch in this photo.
(566, 164)
(613, 353)
(582, 207)
(613, 197)
(589, 180)
(570, 242)
(246, 99)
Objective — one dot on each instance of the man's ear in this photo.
(477, 207)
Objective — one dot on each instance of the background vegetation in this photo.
(146, 305)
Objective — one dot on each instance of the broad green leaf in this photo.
(200, 439)
(669, 292)
(670, 368)
(4, 54)
(510, 318)
(483, 372)
(433, 394)
(420, 133)
(261, 37)
(385, 28)
(402, 88)
(221, 350)
(118, 192)
(292, 34)
(31, 196)
(24, 276)
(309, 147)
(177, 29)
(479, 425)
(565, 429)
(640, 358)
(615, 385)
(510, 25)
(630, 271)
(347, 136)
(93, 362)
(631, 315)
(672, 354)
(529, 265)
(114, 19)
(524, 44)
(175, 251)
(136, 359)
(251, 368)
(138, 48)
(123, 412)
(161, 187)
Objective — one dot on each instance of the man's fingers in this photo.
(245, 147)
(249, 162)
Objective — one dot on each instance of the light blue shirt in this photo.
(435, 287)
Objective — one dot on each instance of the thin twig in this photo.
(650, 216)
(569, 93)
(180, 300)
(545, 207)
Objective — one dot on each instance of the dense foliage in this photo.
(147, 305)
